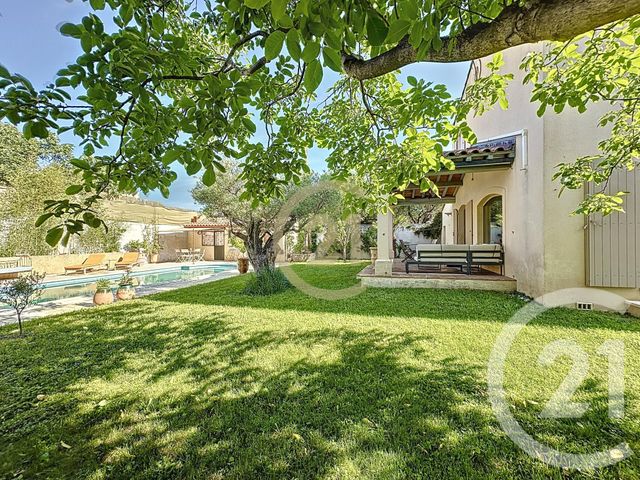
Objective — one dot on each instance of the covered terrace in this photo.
(389, 271)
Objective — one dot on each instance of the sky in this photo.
(31, 45)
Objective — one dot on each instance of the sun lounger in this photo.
(94, 261)
(128, 260)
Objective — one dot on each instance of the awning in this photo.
(492, 155)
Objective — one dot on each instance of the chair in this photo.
(406, 251)
(92, 262)
(128, 260)
(185, 255)
(197, 255)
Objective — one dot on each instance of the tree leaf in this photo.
(97, 4)
(332, 59)
(209, 176)
(397, 31)
(70, 30)
(43, 218)
(73, 189)
(39, 129)
(171, 156)
(278, 8)
(293, 44)
(376, 29)
(313, 76)
(273, 45)
(54, 235)
(311, 51)
(255, 4)
(80, 163)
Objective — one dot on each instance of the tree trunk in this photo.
(20, 322)
(261, 253)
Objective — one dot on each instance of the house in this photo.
(502, 191)
(177, 228)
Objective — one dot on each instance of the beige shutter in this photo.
(614, 240)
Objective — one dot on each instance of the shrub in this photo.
(21, 293)
(267, 281)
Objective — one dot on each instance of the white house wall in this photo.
(545, 246)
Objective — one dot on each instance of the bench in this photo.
(464, 256)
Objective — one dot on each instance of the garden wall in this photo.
(54, 264)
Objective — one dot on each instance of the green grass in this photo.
(205, 382)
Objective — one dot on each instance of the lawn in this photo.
(205, 382)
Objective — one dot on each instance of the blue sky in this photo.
(30, 44)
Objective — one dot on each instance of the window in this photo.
(492, 218)
(208, 239)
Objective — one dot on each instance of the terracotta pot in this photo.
(103, 297)
(126, 292)
(153, 258)
(243, 265)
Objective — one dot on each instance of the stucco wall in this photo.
(569, 136)
(521, 189)
(544, 244)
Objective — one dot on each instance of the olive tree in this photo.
(20, 293)
(261, 225)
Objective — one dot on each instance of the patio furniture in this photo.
(406, 250)
(197, 255)
(481, 255)
(94, 261)
(11, 267)
(128, 260)
(463, 256)
(184, 255)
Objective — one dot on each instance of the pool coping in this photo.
(71, 304)
(113, 275)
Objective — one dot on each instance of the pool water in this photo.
(79, 287)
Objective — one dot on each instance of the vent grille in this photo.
(584, 306)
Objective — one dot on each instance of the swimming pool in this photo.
(85, 287)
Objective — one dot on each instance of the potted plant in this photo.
(151, 242)
(126, 289)
(103, 295)
(243, 260)
(153, 249)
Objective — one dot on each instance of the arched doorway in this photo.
(492, 219)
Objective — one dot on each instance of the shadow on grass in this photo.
(135, 396)
(157, 389)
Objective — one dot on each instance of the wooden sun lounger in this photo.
(92, 262)
(128, 260)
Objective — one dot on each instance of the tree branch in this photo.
(535, 21)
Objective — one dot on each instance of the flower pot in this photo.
(243, 265)
(103, 297)
(126, 292)
(374, 255)
(153, 258)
